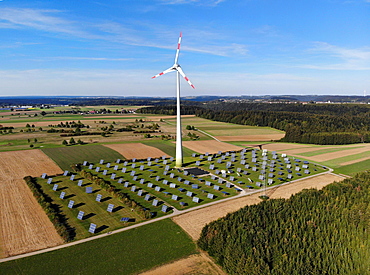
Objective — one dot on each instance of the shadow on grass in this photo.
(101, 228)
(105, 199)
(89, 216)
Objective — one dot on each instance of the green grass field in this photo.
(129, 252)
(327, 150)
(216, 128)
(65, 156)
(168, 147)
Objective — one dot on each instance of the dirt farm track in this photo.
(24, 226)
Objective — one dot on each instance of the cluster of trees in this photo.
(72, 142)
(169, 110)
(313, 232)
(52, 210)
(71, 124)
(122, 196)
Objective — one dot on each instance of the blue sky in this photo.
(229, 47)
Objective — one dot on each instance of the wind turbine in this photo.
(176, 67)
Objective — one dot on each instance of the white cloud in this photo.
(340, 58)
(196, 2)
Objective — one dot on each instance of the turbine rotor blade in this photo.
(164, 72)
(178, 49)
(184, 76)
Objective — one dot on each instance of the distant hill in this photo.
(188, 100)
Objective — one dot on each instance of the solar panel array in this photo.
(230, 170)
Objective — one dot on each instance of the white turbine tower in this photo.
(176, 67)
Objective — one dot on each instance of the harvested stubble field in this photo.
(24, 225)
(194, 221)
(198, 264)
(210, 146)
(336, 154)
(136, 150)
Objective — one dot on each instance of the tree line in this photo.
(303, 123)
(314, 232)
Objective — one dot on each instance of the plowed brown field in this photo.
(194, 221)
(210, 146)
(136, 150)
(24, 226)
(195, 264)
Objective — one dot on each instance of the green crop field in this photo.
(128, 252)
(168, 147)
(65, 156)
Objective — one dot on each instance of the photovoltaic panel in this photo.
(80, 215)
(91, 166)
(195, 199)
(120, 180)
(110, 207)
(101, 161)
(62, 195)
(97, 169)
(125, 219)
(172, 185)
(157, 188)
(70, 204)
(92, 228)
(140, 192)
(98, 197)
(89, 189)
(155, 202)
(210, 196)
(115, 167)
(65, 173)
(174, 197)
(108, 165)
(79, 183)
(72, 177)
(44, 175)
(49, 180)
(147, 197)
(55, 187)
(164, 208)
